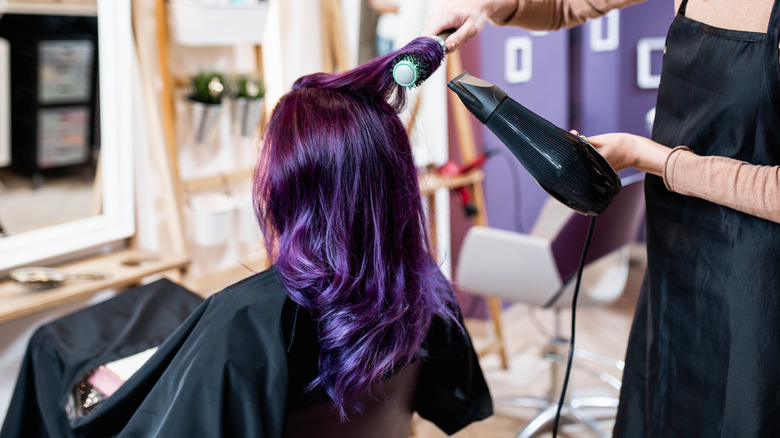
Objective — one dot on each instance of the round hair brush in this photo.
(417, 61)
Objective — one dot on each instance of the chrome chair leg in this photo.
(539, 422)
(572, 412)
(587, 420)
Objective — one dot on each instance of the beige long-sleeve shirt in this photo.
(736, 184)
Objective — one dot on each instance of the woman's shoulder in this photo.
(260, 287)
(268, 279)
(256, 301)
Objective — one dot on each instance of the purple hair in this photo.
(337, 198)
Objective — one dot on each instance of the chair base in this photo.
(574, 411)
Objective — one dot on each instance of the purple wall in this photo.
(643, 22)
(584, 78)
(571, 84)
(513, 197)
(609, 94)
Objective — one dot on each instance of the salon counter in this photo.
(125, 268)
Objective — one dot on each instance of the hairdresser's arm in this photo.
(470, 16)
(745, 187)
(557, 14)
(384, 6)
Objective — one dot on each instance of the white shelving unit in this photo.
(228, 24)
(226, 169)
(85, 8)
(80, 8)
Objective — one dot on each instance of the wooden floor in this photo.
(602, 330)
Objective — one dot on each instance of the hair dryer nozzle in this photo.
(480, 97)
(564, 165)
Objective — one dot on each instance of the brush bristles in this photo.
(423, 56)
(411, 70)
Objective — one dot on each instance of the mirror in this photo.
(94, 204)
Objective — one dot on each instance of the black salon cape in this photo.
(221, 372)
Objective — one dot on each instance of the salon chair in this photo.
(539, 269)
(387, 416)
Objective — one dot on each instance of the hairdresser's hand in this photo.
(628, 150)
(383, 6)
(468, 17)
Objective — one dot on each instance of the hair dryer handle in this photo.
(564, 165)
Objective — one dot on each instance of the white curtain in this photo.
(429, 135)
(292, 45)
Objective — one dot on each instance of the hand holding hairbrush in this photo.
(412, 67)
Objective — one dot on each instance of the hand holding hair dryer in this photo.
(565, 165)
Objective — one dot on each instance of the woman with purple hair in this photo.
(353, 302)
(338, 201)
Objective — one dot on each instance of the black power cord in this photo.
(573, 321)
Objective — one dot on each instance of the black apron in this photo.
(703, 358)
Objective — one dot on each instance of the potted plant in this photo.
(208, 89)
(247, 103)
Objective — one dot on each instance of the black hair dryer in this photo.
(565, 165)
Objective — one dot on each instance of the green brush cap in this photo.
(405, 73)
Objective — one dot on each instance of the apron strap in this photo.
(681, 11)
(774, 20)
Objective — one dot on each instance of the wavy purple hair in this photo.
(337, 198)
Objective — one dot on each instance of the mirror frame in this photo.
(117, 220)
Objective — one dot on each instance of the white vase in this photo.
(211, 218)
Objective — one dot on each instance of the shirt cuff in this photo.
(518, 9)
(671, 161)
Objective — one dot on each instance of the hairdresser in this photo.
(703, 353)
